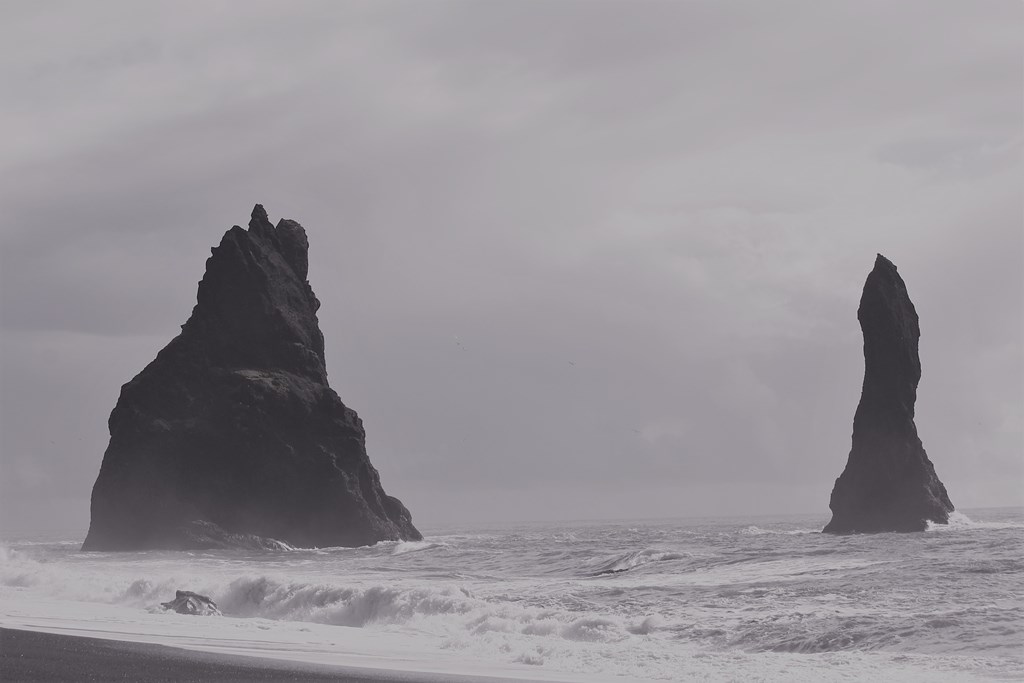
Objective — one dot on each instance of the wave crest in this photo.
(403, 547)
(958, 521)
(637, 558)
(342, 606)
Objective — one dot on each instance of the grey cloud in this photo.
(682, 200)
(954, 157)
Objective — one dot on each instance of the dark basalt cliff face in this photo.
(888, 484)
(232, 432)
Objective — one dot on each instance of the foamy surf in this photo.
(958, 521)
(661, 601)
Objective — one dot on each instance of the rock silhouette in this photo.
(232, 435)
(889, 483)
(187, 602)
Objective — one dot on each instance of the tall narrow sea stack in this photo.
(888, 484)
(232, 436)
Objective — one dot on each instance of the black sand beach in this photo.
(37, 656)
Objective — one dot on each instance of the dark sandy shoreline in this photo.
(38, 656)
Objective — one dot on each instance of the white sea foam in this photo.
(443, 609)
(958, 521)
(342, 605)
(668, 602)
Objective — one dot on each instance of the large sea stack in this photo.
(232, 436)
(889, 483)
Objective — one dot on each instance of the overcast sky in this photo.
(576, 259)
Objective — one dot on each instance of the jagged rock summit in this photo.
(232, 436)
(889, 483)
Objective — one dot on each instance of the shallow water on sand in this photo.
(725, 599)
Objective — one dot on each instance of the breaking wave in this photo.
(637, 558)
(444, 609)
(403, 547)
(958, 521)
(339, 605)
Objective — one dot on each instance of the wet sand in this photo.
(38, 656)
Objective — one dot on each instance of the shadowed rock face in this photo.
(232, 431)
(888, 484)
(187, 602)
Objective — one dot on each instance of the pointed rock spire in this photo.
(259, 223)
(889, 483)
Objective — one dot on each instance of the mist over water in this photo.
(647, 599)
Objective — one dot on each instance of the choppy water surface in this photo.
(718, 598)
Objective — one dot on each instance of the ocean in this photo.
(692, 599)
